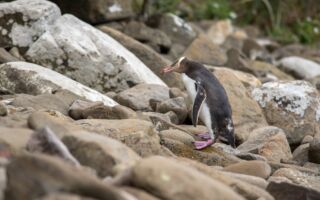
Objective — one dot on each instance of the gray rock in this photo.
(22, 22)
(34, 79)
(138, 97)
(314, 149)
(177, 105)
(177, 29)
(270, 142)
(3, 109)
(78, 106)
(254, 168)
(203, 50)
(98, 11)
(5, 56)
(289, 191)
(301, 153)
(299, 67)
(171, 180)
(293, 106)
(89, 56)
(148, 56)
(307, 139)
(139, 135)
(33, 176)
(16, 118)
(64, 196)
(42, 101)
(140, 194)
(45, 141)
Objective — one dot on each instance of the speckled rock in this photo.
(89, 56)
(293, 106)
(22, 22)
(34, 79)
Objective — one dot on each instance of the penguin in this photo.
(210, 101)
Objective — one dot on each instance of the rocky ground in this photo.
(86, 114)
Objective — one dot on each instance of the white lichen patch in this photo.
(115, 8)
(294, 96)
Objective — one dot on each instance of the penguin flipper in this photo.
(198, 101)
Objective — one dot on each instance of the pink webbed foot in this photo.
(202, 144)
(204, 136)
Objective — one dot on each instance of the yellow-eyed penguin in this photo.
(210, 101)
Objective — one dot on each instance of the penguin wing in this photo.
(198, 101)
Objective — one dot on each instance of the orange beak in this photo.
(167, 69)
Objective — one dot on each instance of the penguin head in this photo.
(177, 66)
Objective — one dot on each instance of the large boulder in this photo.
(270, 142)
(98, 11)
(171, 180)
(22, 77)
(22, 22)
(293, 106)
(89, 56)
(148, 56)
(246, 113)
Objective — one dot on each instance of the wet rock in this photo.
(177, 29)
(148, 56)
(293, 106)
(270, 142)
(99, 111)
(138, 97)
(23, 22)
(177, 105)
(32, 176)
(136, 134)
(289, 191)
(45, 141)
(253, 168)
(98, 11)
(34, 79)
(301, 153)
(299, 67)
(75, 45)
(246, 113)
(3, 110)
(203, 50)
(161, 176)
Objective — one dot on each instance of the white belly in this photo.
(204, 114)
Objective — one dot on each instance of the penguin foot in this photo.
(202, 144)
(204, 136)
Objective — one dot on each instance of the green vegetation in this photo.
(287, 21)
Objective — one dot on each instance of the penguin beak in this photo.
(167, 69)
